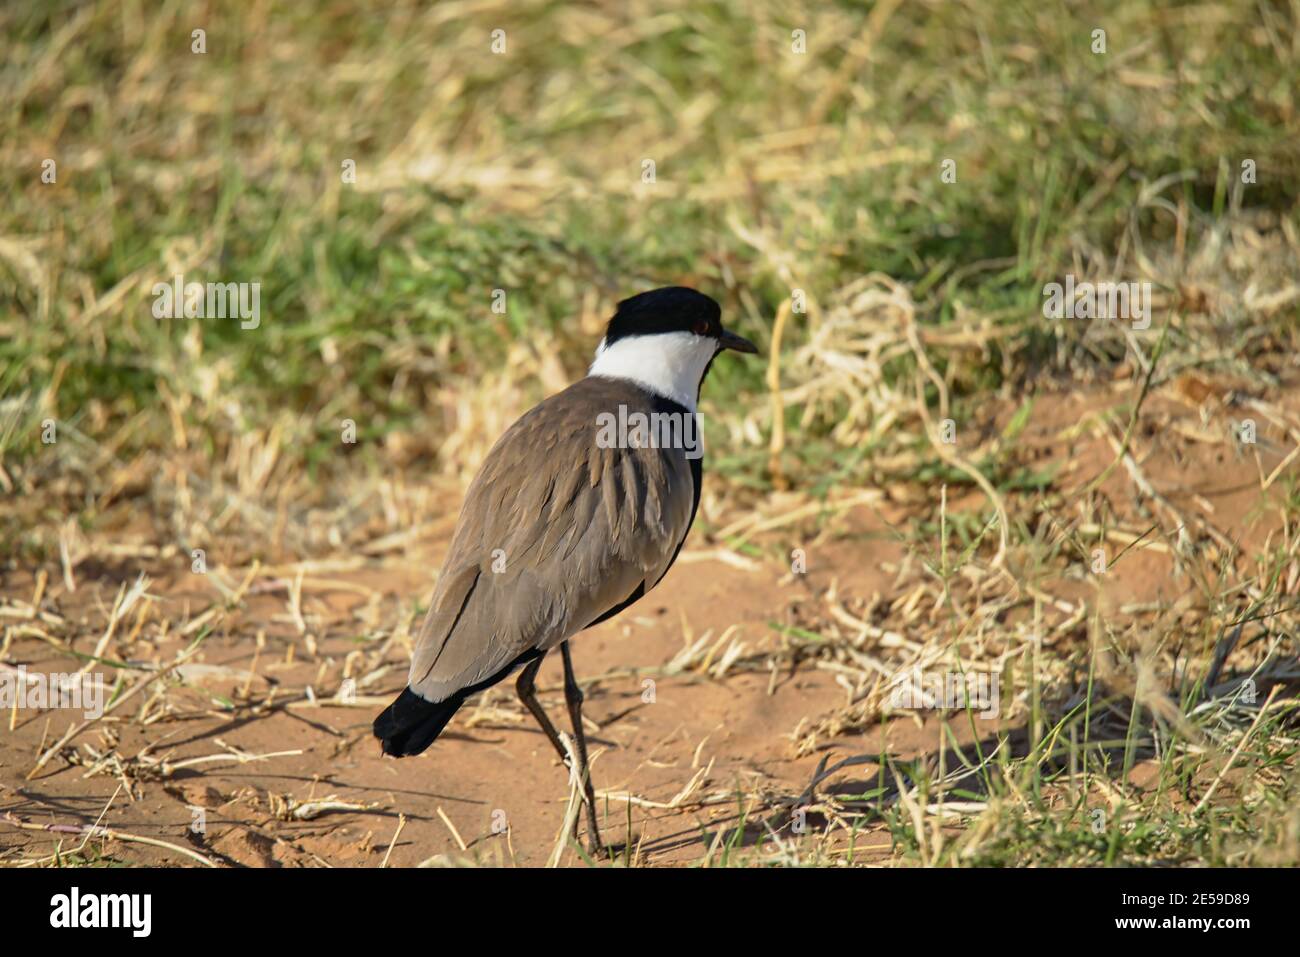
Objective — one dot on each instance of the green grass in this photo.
(228, 163)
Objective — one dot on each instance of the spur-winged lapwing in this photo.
(563, 528)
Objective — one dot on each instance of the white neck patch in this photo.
(669, 364)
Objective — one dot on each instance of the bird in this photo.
(566, 524)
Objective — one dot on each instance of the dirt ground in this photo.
(683, 753)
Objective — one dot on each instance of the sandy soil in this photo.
(491, 788)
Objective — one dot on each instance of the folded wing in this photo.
(555, 532)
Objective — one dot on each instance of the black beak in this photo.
(730, 340)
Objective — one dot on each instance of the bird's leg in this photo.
(527, 691)
(573, 696)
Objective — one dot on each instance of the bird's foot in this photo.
(600, 851)
(597, 849)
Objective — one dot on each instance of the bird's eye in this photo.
(701, 327)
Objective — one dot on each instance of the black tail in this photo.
(410, 724)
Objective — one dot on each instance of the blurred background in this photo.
(523, 171)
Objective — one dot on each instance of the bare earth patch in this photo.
(716, 700)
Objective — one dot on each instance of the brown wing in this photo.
(554, 532)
